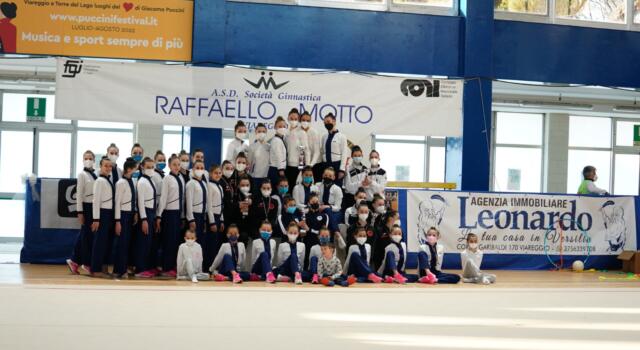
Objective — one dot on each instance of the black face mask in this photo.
(327, 181)
(328, 126)
(314, 206)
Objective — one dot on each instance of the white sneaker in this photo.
(194, 279)
(485, 280)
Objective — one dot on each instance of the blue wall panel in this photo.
(566, 54)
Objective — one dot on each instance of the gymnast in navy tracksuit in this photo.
(147, 205)
(358, 262)
(302, 191)
(125, 216)
(171, 211)
(313, 222)
(197, 210)
(230, 258)
(290, 213)
(263, 252)
(395, 258)
(81, 254)
(216, 208)
(430, 258)
(102, 226)
(290, 257)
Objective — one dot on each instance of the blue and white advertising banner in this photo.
(512, 223)
(219, 97)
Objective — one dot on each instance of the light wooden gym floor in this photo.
(44, 307)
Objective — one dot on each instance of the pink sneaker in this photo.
(254, 277)
(145, 274)
(282, 278)
(374, 278)
(86, 269)
(237, 279)
(171, 273)
(271, 278)
(220, 278)
(388, 279)
(398, 278)
(426, 280)
(73, 266)
(314, 279)
(298, 278)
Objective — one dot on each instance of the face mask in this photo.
(363, 217)
(328, 126)
(293, 237)
(261, 136)
(324, 240)
(148, 172)
(199, 173)
(184, 165)
(397, 223)
(241, 166)
(265, 235)
(381, 209)
(136, 175)
(113, 158)
(396, 238)
(281, 131)
(314, 206)
(245, 190)
(305, 124)
(293, 123)
(233, 238)
(137, 158)
(283, 190)
(357, 160)
(361, 240)
(241, 135)
(358, 201)
(291, 210)
(190, 241)
(308, 180)
(88, 164)
(161, 165)
(473, 245)
(227, 173)
(432, 239)
(327, 181)
(265, 193)
(374, 161)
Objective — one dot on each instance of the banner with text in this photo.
(141, 29)
(511, 223)
(219, 97)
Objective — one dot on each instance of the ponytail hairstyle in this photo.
(104, 159)
(89, 152)
(279, 120)
(238, 125)
(137, 145)
(113, 145)
(145, 161)
(158, 153)
(129, 164)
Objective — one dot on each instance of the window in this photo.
(226, 140)
(16, 159)
(610, 11)
(538, 7)
(411, 158)
(173, 140)
(54, 161)
(636, 11)
(12, 217)
(437, 7)
(439, 3)
(589, 144)
(624, 132)
(518, 152)
(627, 168)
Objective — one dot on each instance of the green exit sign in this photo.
(36, 109)
(636, 135)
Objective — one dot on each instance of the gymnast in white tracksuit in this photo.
(290, 257)
(263, 252)
(230, 258)
(189, 260)
(358, 262)
(471, 261)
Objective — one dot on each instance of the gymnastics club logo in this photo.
(263, 81)
(417, 87)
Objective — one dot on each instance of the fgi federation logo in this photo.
(72, 68)
(263, 81)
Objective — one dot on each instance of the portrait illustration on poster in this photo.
(8, 32)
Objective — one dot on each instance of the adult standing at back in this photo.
(335, 149)
(237, 145)
(313, 140)
(298, 155)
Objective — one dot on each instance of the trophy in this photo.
(301, 162)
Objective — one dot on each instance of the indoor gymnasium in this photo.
(314, 174)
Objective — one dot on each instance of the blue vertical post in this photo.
(208, 50)
(468, 158)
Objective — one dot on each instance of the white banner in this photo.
(517, 223)
(219, 97)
